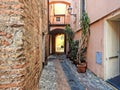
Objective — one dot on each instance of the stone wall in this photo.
(20, 43)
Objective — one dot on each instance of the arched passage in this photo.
(57, 41)
(64, 2)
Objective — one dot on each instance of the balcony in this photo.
(59, 20)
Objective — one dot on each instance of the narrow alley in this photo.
(59, 44)
(61, 74)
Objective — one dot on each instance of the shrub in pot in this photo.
(82, 65)
(81, 54)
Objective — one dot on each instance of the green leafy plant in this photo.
(73, 45)
(84, 23)
(70, 35)
(74, 49)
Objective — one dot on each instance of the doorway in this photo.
(112, 47)
(59, 43)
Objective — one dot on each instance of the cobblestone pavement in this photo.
(62, 75)
(88, 79)
(53, 77)
(47, 80)
(73, 81)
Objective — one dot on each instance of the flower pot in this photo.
(81, 68)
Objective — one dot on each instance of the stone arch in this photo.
(64, 2)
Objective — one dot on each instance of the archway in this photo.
(58, 41)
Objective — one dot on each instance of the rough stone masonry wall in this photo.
(20, 44)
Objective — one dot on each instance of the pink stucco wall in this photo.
(77, 35)
(96, 44)
(75, 4)
(99, 8)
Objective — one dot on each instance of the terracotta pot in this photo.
(81, 68)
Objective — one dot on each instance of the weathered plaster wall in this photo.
(20, 44)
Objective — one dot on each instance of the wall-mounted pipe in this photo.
(48, 28)
(83, 6)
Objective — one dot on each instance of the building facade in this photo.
(58, 19)
(22, 34)
(103, 54)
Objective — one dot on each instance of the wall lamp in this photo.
(70, 11)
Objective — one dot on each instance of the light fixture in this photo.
(70, 11)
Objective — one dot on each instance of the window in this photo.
(59, 8)
(57, 18)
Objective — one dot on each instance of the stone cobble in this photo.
(88, 79)
(73, 81)
(54, 78)
(61, 80)
(48, 80)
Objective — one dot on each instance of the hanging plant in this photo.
(69, 33)
(73, 45)
(84, 23)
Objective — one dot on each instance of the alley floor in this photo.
(61, 74)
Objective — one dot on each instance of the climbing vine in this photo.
(85, 26)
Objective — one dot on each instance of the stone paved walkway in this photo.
(47, 80)
(62, 75)
(53, 77)
(88, 79)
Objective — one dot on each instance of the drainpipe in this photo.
(48, 19)
(83, 6)
(48, 27)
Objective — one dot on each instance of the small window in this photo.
(57, 18)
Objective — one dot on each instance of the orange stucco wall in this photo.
(99, 8)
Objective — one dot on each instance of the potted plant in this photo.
(82, 65)
(81, 54)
